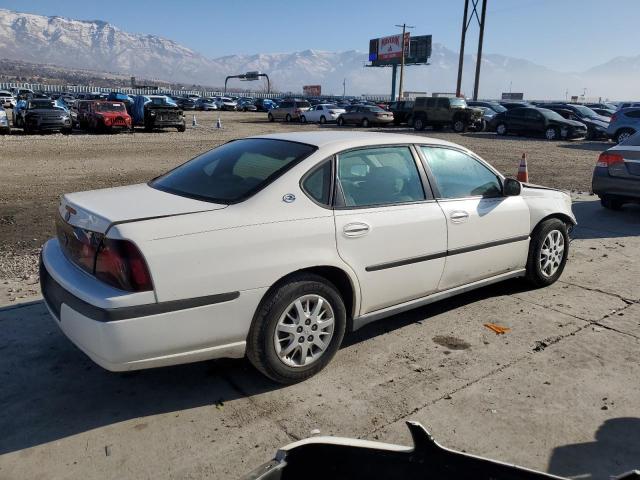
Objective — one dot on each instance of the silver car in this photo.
(624, 123)
(616, 177)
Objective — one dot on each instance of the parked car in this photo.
(596, 124)
(174, 270)
(157, 111)
(365, 116)
(628, 105)
(20, 93)
(439, 112)
(624, 123)
(206, 104)
(226, 103)
(495, 106)
(402, 112)
(604, 106)
(5, 128)
(264, 104)
(488, 114)
(605, 112)
(104, 115)
(512, 105)
(39, 115)
(185, 103)
(246, 105)
(7, 100)
(288, 110)
(322, 113)
(616, 176)
(537, 121)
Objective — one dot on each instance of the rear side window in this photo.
(459, 176)
(234, 171)
(379, 176)
(431, 102)
(633, 114)
(318, 184)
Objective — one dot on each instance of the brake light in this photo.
(613, 118)
(121, 264)
(609, 159)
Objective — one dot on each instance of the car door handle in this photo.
(356, 229)
(458, 216)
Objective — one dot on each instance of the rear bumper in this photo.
(136, 335)
(604, 184)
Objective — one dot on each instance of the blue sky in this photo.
(566, 35)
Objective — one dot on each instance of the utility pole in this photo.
(400, 89)
(479, 59)
(462, 42)
(466, 22)
(344, 87)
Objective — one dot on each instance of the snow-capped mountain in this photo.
(100, 46)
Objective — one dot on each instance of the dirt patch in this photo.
(452, 343)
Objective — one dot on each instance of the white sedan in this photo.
(273, 247)
(322, 113)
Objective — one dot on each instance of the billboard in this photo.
(312, 90)
(387, 51)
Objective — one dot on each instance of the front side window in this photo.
(458, 175)
(379, 176)
(233, 171)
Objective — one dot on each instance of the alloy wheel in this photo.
(304, 331)
(551, 253)
(550, 133)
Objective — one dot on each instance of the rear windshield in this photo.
(233, 171)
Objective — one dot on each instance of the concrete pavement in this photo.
(558, 392)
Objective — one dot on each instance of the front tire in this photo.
(323, 120)
(340, 121)
(365, 123)
(303, 119)
(270, 117)
(297, 329)
(548, 251)
(287, 118)
(459, 126)
(418, 124)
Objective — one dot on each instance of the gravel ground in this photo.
(37, 169)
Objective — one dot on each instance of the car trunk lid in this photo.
(629, 167)
(97, 210)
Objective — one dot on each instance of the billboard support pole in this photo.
(462, 41)
(394, 71)
(479, 58)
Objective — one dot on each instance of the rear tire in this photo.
(548, 251)
(287, 118)
(303, 119)
(323, 120)
(551, 134)
(418, 124)
(267, 341)
(611, 203)
(501, 129)
(270, 117)
(364, 123)
(340, 121)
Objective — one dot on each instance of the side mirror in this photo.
(511, 187)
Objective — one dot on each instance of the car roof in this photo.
(342, 140)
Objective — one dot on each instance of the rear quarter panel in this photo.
(245, 246)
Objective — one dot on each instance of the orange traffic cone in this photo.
(523, 171)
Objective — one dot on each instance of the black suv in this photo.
(537, 121)
(439, 112)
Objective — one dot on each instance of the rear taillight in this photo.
(609, 159)
(121, 264)
(613, 118)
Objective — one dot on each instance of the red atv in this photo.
(102, 115)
